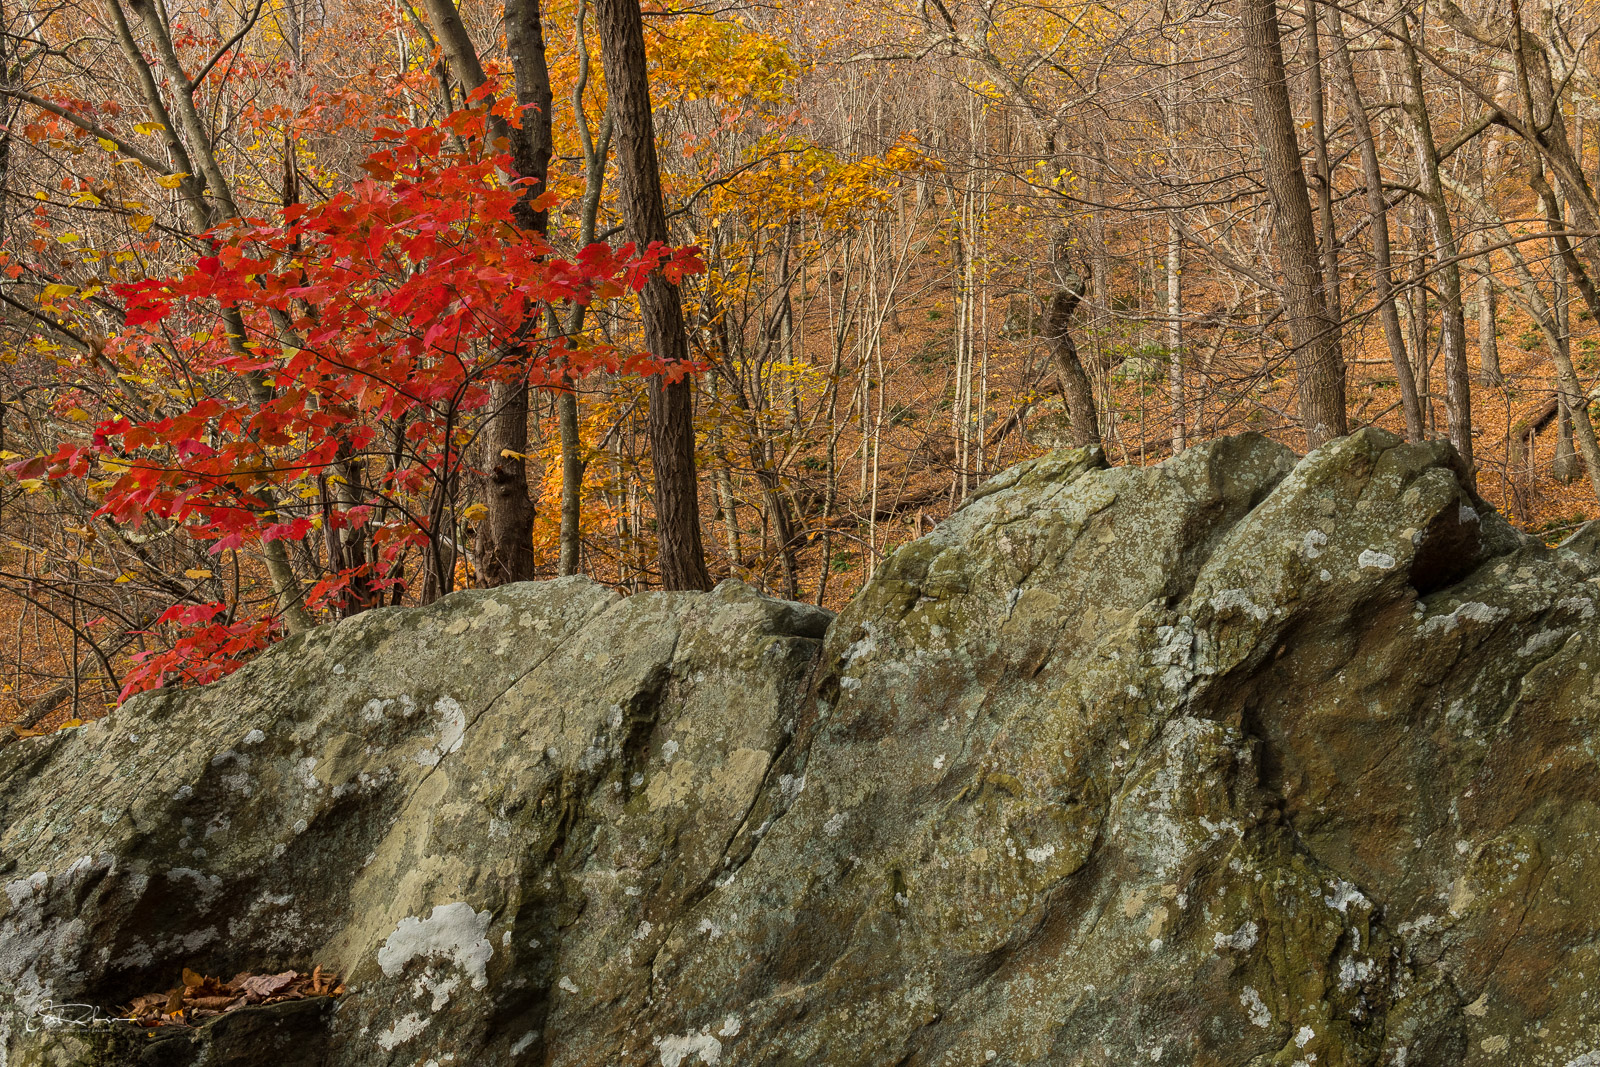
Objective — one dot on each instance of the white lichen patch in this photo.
(1255, 1007)
(429, 983)
(404, 1029)
(675, 1051)
(1353, 972)
(1241, 940)
(1471, 611)
(1583, 607)
(453, 931)
(1370, 559)
(1040, 854)
(1541, 641)
(452, 729)
(1175, 653)
(1342, 894)
(1237, 600)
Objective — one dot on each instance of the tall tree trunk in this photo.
(1172, 119)
(596, 150)
(1453, 327)
(1174, 313)
(1319, 146)
(505, 536)
(1488, 337)
(531, 144)
(208, 201)
(1319, 365)
(682, 559)
(1378, 223)
(1564, 464)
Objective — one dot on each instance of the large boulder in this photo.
(1229, 761)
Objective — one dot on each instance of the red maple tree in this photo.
(353, 342)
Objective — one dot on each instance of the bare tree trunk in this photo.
(1488, 338)
(1453, 327)
(1174, 312)
(1319, 365)
(1319, 146)
(1378, 211)
(596, 149)
(505, 534)
(1564, 464)
(682, 562)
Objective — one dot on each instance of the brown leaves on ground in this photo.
(200, 997)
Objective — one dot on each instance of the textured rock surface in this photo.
(1229, 761)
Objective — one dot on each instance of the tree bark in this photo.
(1378, 210)
(1175, 353)
(1319, 365)
(1319, 146)
(682, 559)
(1453, 327)
(530, 145)
(1488, 339)
(1075, 385)
(505, 536)
(596, 150)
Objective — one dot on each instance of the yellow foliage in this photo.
(697, 57)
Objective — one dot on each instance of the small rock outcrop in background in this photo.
(1230, 761)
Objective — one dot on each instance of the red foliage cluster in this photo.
(366, 330)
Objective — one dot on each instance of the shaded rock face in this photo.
(1230, 761)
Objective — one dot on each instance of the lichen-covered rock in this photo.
(1230, 761)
